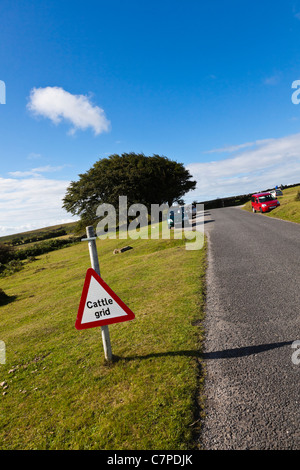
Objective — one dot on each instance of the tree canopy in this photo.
(143, 179)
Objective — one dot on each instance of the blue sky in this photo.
(204, 83)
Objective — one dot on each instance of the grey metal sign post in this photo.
(91, 238)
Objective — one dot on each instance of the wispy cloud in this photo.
(234, 148)
(34, 156)
(273, 79)
(270, 162)
(59, 105)
(36, 172)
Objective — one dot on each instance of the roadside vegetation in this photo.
(17, 250)
(57, 391)
(289, 206)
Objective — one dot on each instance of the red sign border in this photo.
(78, 325)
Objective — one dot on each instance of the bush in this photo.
(6, 253)
(3, 297)
(297, 198)
(11, 267)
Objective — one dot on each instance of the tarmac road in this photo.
(252, 320)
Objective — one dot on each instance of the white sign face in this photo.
(99, 305)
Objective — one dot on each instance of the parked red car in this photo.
(263, 202)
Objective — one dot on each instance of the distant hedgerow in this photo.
(11, 259)
(44, 247)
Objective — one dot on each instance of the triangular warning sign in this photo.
(99, 305)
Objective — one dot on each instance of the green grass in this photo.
(61, 394)
(289, 208)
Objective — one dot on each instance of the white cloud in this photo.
(31, 203)
(57, 104)
(271, 162)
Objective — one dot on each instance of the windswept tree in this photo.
(144, 180)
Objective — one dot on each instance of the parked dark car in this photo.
(178, 217)
(276, 192)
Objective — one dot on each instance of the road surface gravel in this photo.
(252, 320)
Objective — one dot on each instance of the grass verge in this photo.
(56, 390)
